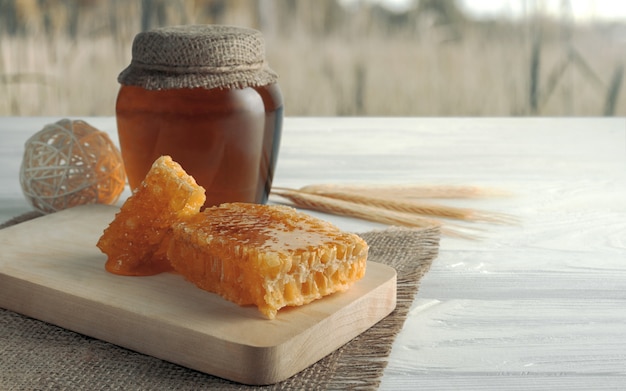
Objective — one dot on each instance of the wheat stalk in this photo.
(407, 191)
(366, 212)
(410, 206)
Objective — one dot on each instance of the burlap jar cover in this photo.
(207, 56)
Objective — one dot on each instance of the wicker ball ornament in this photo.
(71, 163)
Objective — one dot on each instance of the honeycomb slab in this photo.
(271, 256)
(136, 241)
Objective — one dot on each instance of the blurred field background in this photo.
(62, 57)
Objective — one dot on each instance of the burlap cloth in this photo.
(192, 56)
(35, 355)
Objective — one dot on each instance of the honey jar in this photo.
(204, 95)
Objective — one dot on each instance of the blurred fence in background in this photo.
(62, 57)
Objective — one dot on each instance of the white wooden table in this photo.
(538, 305)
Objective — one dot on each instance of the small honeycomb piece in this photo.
(266, 255)
(137, 239)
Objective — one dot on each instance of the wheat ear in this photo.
(365, 212)
(408, 191)
(412, 206)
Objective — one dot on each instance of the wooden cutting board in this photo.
(51, 269)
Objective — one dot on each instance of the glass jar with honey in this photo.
(204, 95)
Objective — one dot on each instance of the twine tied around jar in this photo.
(198, 56)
